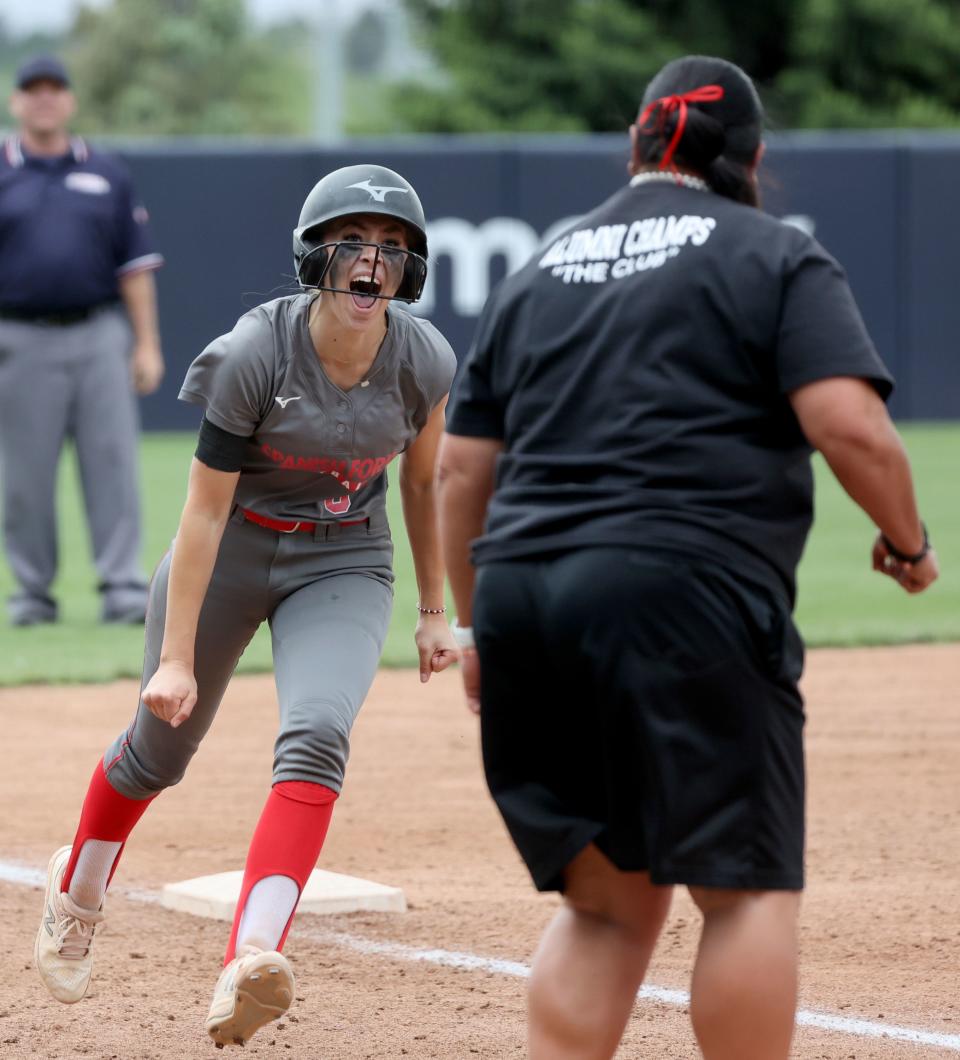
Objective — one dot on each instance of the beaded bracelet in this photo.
(431, 610)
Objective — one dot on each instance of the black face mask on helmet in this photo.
(365, 189)
(404, 273)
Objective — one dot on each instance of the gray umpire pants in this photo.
(58, 382)
(328, 598)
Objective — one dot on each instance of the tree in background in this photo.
(196, 67)
(534, 65)
(185, 67)
(576, 65)
(15, 49)
(874, 64)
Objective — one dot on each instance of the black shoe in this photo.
(131, 616)
(32, 619)
(32, 611)
(124, 605)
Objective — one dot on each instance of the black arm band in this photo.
(902, 556)
(219, 449)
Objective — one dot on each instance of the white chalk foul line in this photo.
(22, 874)
(471, 962)
(27, 876)
(31, 877)
(452, 959)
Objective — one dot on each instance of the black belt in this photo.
(59, 319)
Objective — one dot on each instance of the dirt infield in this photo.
(881, 919)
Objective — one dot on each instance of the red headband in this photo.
(667, 105)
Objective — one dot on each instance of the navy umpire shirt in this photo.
(638, 371)
(70, 226)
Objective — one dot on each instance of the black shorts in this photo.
(647, 703)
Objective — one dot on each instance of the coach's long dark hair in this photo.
(720, 138)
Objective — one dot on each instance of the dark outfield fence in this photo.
(884, 205)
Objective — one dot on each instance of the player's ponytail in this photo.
(703, 114)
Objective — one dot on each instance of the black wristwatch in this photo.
(902, 556)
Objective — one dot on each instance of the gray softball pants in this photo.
(69, 381)
(328, 598)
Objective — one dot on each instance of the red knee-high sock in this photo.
(106, 814)
(287, 842)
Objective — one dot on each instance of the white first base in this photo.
(216, 896)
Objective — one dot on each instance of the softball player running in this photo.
(306, 402)
(648, 389)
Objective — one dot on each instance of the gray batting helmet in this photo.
(367, 189)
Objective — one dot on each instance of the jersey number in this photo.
(338, 506)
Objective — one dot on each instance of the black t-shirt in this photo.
(637, 371)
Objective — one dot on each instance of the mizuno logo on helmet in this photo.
(378, 192)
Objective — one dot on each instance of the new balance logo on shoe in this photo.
(62, 951)
(283, 402)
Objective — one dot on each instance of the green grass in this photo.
(841, 601)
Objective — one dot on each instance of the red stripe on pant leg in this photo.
(107, 815)
(287, 842)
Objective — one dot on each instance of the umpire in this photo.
(76, 265)
(629, 450)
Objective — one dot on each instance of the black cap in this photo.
(43, 68)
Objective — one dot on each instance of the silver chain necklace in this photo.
(663, 177)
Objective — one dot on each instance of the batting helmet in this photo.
(364, 189)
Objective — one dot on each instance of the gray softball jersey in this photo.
(317, 452)
(327, 595)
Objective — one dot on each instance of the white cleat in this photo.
(65, 939)
(253, 989)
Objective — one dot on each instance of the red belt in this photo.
(284, 527)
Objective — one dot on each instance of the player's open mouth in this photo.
(364, 291)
